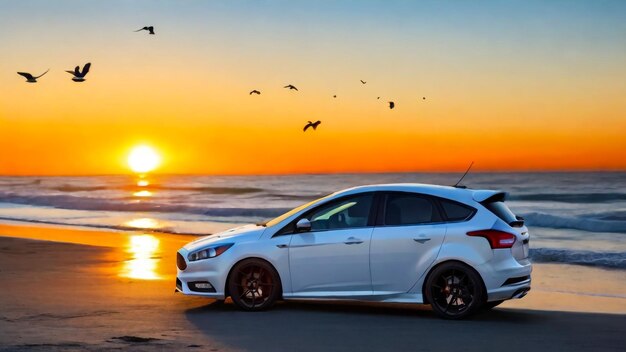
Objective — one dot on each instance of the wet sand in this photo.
(101, 291)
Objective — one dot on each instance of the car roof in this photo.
(455, 193)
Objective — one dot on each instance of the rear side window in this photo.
(456, 211)
(409, 209)
(502, 211)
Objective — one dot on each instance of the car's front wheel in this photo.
(454, 290)
(254, 285)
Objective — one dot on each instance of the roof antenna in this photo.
(462, 177)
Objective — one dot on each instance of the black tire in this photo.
(454, 290)
(490, 305)
(254, 285)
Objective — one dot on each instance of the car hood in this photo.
(237, 234)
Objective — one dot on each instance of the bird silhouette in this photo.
(362, 81)
(78, 75)
(255, 92)
(392, 105)
(30, 78)
(377, 97)
(312, 124)
(291, 86)
(335, 96)
(423, 98)
(150, 29)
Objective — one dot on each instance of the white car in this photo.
(457, 249)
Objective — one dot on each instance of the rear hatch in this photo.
(495, 204)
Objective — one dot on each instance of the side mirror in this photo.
(303, 225)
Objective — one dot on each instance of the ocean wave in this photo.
(157, 187)
(168, 230)
(571, 197)
(97, 204)
(205, 189)
(19, 184)
(614, 260)
(293, 196)
(585, 223)
(72, 188)
(619, 215)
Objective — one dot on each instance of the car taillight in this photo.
(497, 239)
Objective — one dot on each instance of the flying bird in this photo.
(147, 28)
(335, 96)
(312, 124)
(291, 86)
(78, 75)
(255, 92)
(377, 97)
(362, 81)
(392, 105)
(30, 78)
(423, 98)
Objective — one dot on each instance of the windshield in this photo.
(291, 212)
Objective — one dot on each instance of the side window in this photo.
(409, 209)
(456, 211)
(347, 213)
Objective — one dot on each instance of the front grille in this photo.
(180, 262)
(515, 280)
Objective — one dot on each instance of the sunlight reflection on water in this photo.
(143, 193)
(144, 259)
(144, 223)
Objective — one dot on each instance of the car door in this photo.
(405, 242)
(332, 259)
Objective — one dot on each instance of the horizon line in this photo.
(497, 171)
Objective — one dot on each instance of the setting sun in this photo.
(143, 159)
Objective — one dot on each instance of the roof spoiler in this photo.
(489, 196)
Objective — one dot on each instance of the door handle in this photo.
(421, 240)
(282, 246)
(353, 240)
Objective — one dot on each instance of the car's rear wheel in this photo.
(454, 290)
(254, 285)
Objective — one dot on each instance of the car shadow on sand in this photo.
(334, 326)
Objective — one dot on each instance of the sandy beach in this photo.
(81, 290)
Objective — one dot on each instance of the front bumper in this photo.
(194, 277)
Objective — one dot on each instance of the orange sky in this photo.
(534, 88)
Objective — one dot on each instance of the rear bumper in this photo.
(505, 277)
(509, 291)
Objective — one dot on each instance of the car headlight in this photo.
(209, 252)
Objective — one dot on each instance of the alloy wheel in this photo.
(253, 285)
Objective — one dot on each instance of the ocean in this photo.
(573, 217)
